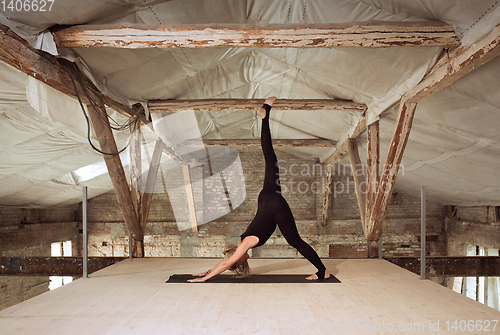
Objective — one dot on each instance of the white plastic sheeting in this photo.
(38, 153)
(453, 148)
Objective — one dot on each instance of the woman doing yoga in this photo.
(272, 210)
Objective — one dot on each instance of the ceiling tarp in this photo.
(455, 127)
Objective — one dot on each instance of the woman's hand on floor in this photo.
(197, 280)
(203, 274)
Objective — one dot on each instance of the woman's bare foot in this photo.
(268, 101)
(315, 277)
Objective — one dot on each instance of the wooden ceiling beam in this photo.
(460, 61)
(463, 61)
(450, 68)
(368, 34)
(216, 105)
(255, 142)
(455, 65)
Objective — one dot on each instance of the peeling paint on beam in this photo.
(215, 105)
(459, 63)
(256, 143)
(369, 34)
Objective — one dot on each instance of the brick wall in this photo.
(484, 214)
(472, 226)
(302, 184)
(30, 232)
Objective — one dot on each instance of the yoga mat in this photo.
(254, 279)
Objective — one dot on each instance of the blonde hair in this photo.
(240, 271)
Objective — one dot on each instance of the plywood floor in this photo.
(131, 297)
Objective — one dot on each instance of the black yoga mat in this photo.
(254, 279)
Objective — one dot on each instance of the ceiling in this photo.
(453, 148)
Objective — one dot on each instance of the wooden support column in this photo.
(372, 165)
(372, 178)
(190, 197)
(135, 184)
(136, 167)
(359, 178)
(327, 198)
(142, 194)
(115, 169)
(390, 169)
(151, 181)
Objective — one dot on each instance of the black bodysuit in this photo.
(272, 207)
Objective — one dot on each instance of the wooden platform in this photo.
(132, 297)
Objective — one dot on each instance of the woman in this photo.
(272, 210)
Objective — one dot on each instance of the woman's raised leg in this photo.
(271, 177)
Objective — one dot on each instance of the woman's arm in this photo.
(203, 274)
(223, 265)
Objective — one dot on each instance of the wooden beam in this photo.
(53, 266)
(359, 178)
(107, 143)
(149, 132)
(339, 152)
(372, 178)
(135, 153)
(190, 197)
(216, 105)
(255, 142)
(368, 34)
(343, 148)
(372, 167)
(135, 183)
(436, 266)
(327, 198)
(390, 170)
(151, 180)
(496, 214)
(460, 62)
(50, 70)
